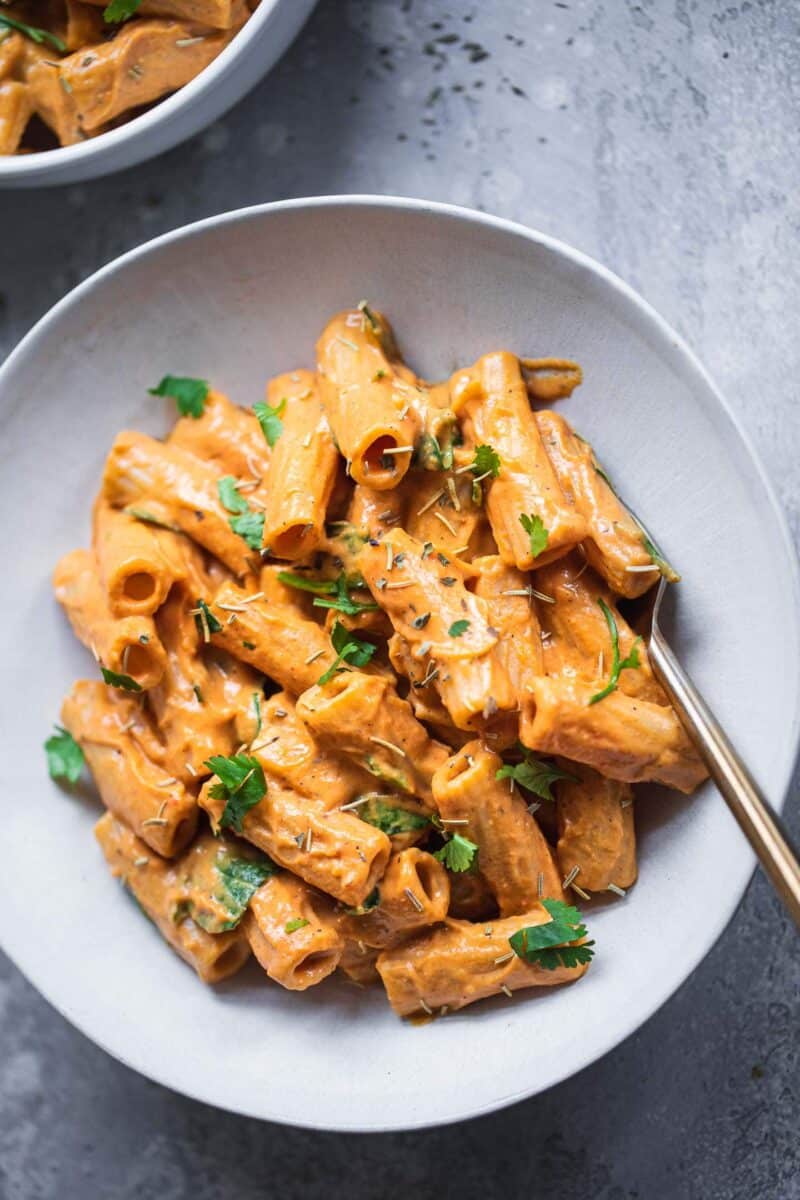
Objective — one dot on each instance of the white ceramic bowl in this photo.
(251, 54)
(455, 284)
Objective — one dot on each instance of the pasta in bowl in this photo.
(367, 701)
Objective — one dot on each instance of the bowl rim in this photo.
(729, 902)
(30, 166)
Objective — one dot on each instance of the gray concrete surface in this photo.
(664, 138)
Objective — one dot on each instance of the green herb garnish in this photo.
(344, 602)
(205, 619)
(320, 587)
(389, 819)
(457, 854)
(124, 682)
(189, 394)
(122, 10)
(534, 527)
(372, 901)
(349, 649)
(141, 514)
(485, 462)
(64, 755)
(246, 523)
(33, 32)
(240, 879)
(617, 665)
(458, 628)
(547, 945)
(241, 785)
(270, 420)
(295, 923)
(668, 571)
(534, 774)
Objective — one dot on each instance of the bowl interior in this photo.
(234, 300)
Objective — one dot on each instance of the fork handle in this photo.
(742, 795)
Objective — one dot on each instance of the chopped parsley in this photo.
(270, 420)
(372, 901)
(458, 628)
(257, 707)
(617, 665)
(457, 854)
(64, 755)
(538, 535)
(320, 587)
(668, 571)
(240, 879)
(189, 394)
(33, 32)
(431, 456)
(121, 10)
(141, 514)
(246, 523)
(124, 682)
(369, 317)
(241, 785)
(421, 621)
(343, 601)
(486, 461)
(547, 945)
(389, 819)
(534, 774)
(249, 645)
(205, 619)
(295, 923)
(349, 649)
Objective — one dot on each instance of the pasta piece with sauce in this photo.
(127, 646)
(492, 401)
(156, 806)
(150, 878)
(302, 469)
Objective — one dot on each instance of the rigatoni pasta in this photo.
(368, 701)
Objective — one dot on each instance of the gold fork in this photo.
(739, 790)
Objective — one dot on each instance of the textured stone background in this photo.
(664, 138)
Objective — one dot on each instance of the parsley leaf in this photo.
(250, 526)
(246, 523)
(189, 394)
(668, 571)
(120, 681)
(270, 420)
(617, 666)
(533, 774)
(320, 587)
(546, 944)
(431, 456)
(458, 628)
(457, 854)
(389, 819)
(486, 461)
(534, 527)
(239, 879)
(205, 619)
(121, 10)
(372, 900)
(257, 707)
(349, 649)
(33, 32)
(295, 923)
(229, 495)
(141, 514)
(344, 602)
(241, 785)
(64, 755)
